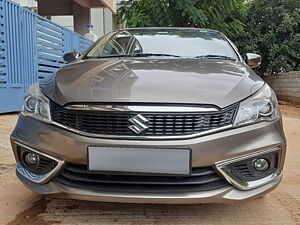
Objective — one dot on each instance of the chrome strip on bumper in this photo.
(223, 168)
(40, 179)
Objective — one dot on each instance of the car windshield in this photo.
(192, 43)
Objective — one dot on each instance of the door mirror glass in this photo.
(71, 56)
(253, 60)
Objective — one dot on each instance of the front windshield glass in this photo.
(172, 42)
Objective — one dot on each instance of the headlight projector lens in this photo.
(31, 104)
(261, 165)
(265, 109)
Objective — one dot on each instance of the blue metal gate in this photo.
(31, 48)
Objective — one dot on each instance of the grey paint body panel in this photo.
(226, 194)
(153, 80)
(206, 150)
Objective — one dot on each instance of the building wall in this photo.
(30, 4)
(66, 21)
(286, 86)
(27, 3)
(101, 18)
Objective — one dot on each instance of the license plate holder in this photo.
(162, 161)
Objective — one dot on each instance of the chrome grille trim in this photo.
(138, 108)
(146, 136)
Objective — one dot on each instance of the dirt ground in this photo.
(20, 206)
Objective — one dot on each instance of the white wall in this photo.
(66, 21)
(102, 19)
(30, 4)
(27, 3)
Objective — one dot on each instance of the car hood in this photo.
(194, 81)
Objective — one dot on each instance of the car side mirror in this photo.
(253, 60)
(71, 56)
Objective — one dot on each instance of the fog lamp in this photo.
(32, 159)
(261, 164)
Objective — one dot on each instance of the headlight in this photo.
(262, 106)
(36, 104)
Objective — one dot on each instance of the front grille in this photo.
(160, 124)
(78, 176)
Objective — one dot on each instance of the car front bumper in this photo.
(206, 151)
(227, 194)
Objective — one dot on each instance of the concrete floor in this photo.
(20, 206)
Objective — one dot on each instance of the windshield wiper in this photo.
(112, 56)
(135, 55)
(153, 54)
(215, 57)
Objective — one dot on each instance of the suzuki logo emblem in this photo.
(139, 124)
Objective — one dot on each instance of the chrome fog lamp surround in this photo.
(223, 167)
(36, 178)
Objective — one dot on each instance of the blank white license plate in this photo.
(140, 160)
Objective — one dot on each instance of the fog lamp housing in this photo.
(252, 170)
(34, 162)
(36, 165)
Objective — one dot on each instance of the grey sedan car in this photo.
(152, 115)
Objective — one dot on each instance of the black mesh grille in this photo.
(243, 169)
(161, 124)
(202, 179)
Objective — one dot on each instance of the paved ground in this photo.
(20, 206)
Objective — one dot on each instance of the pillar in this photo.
(82, 17)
